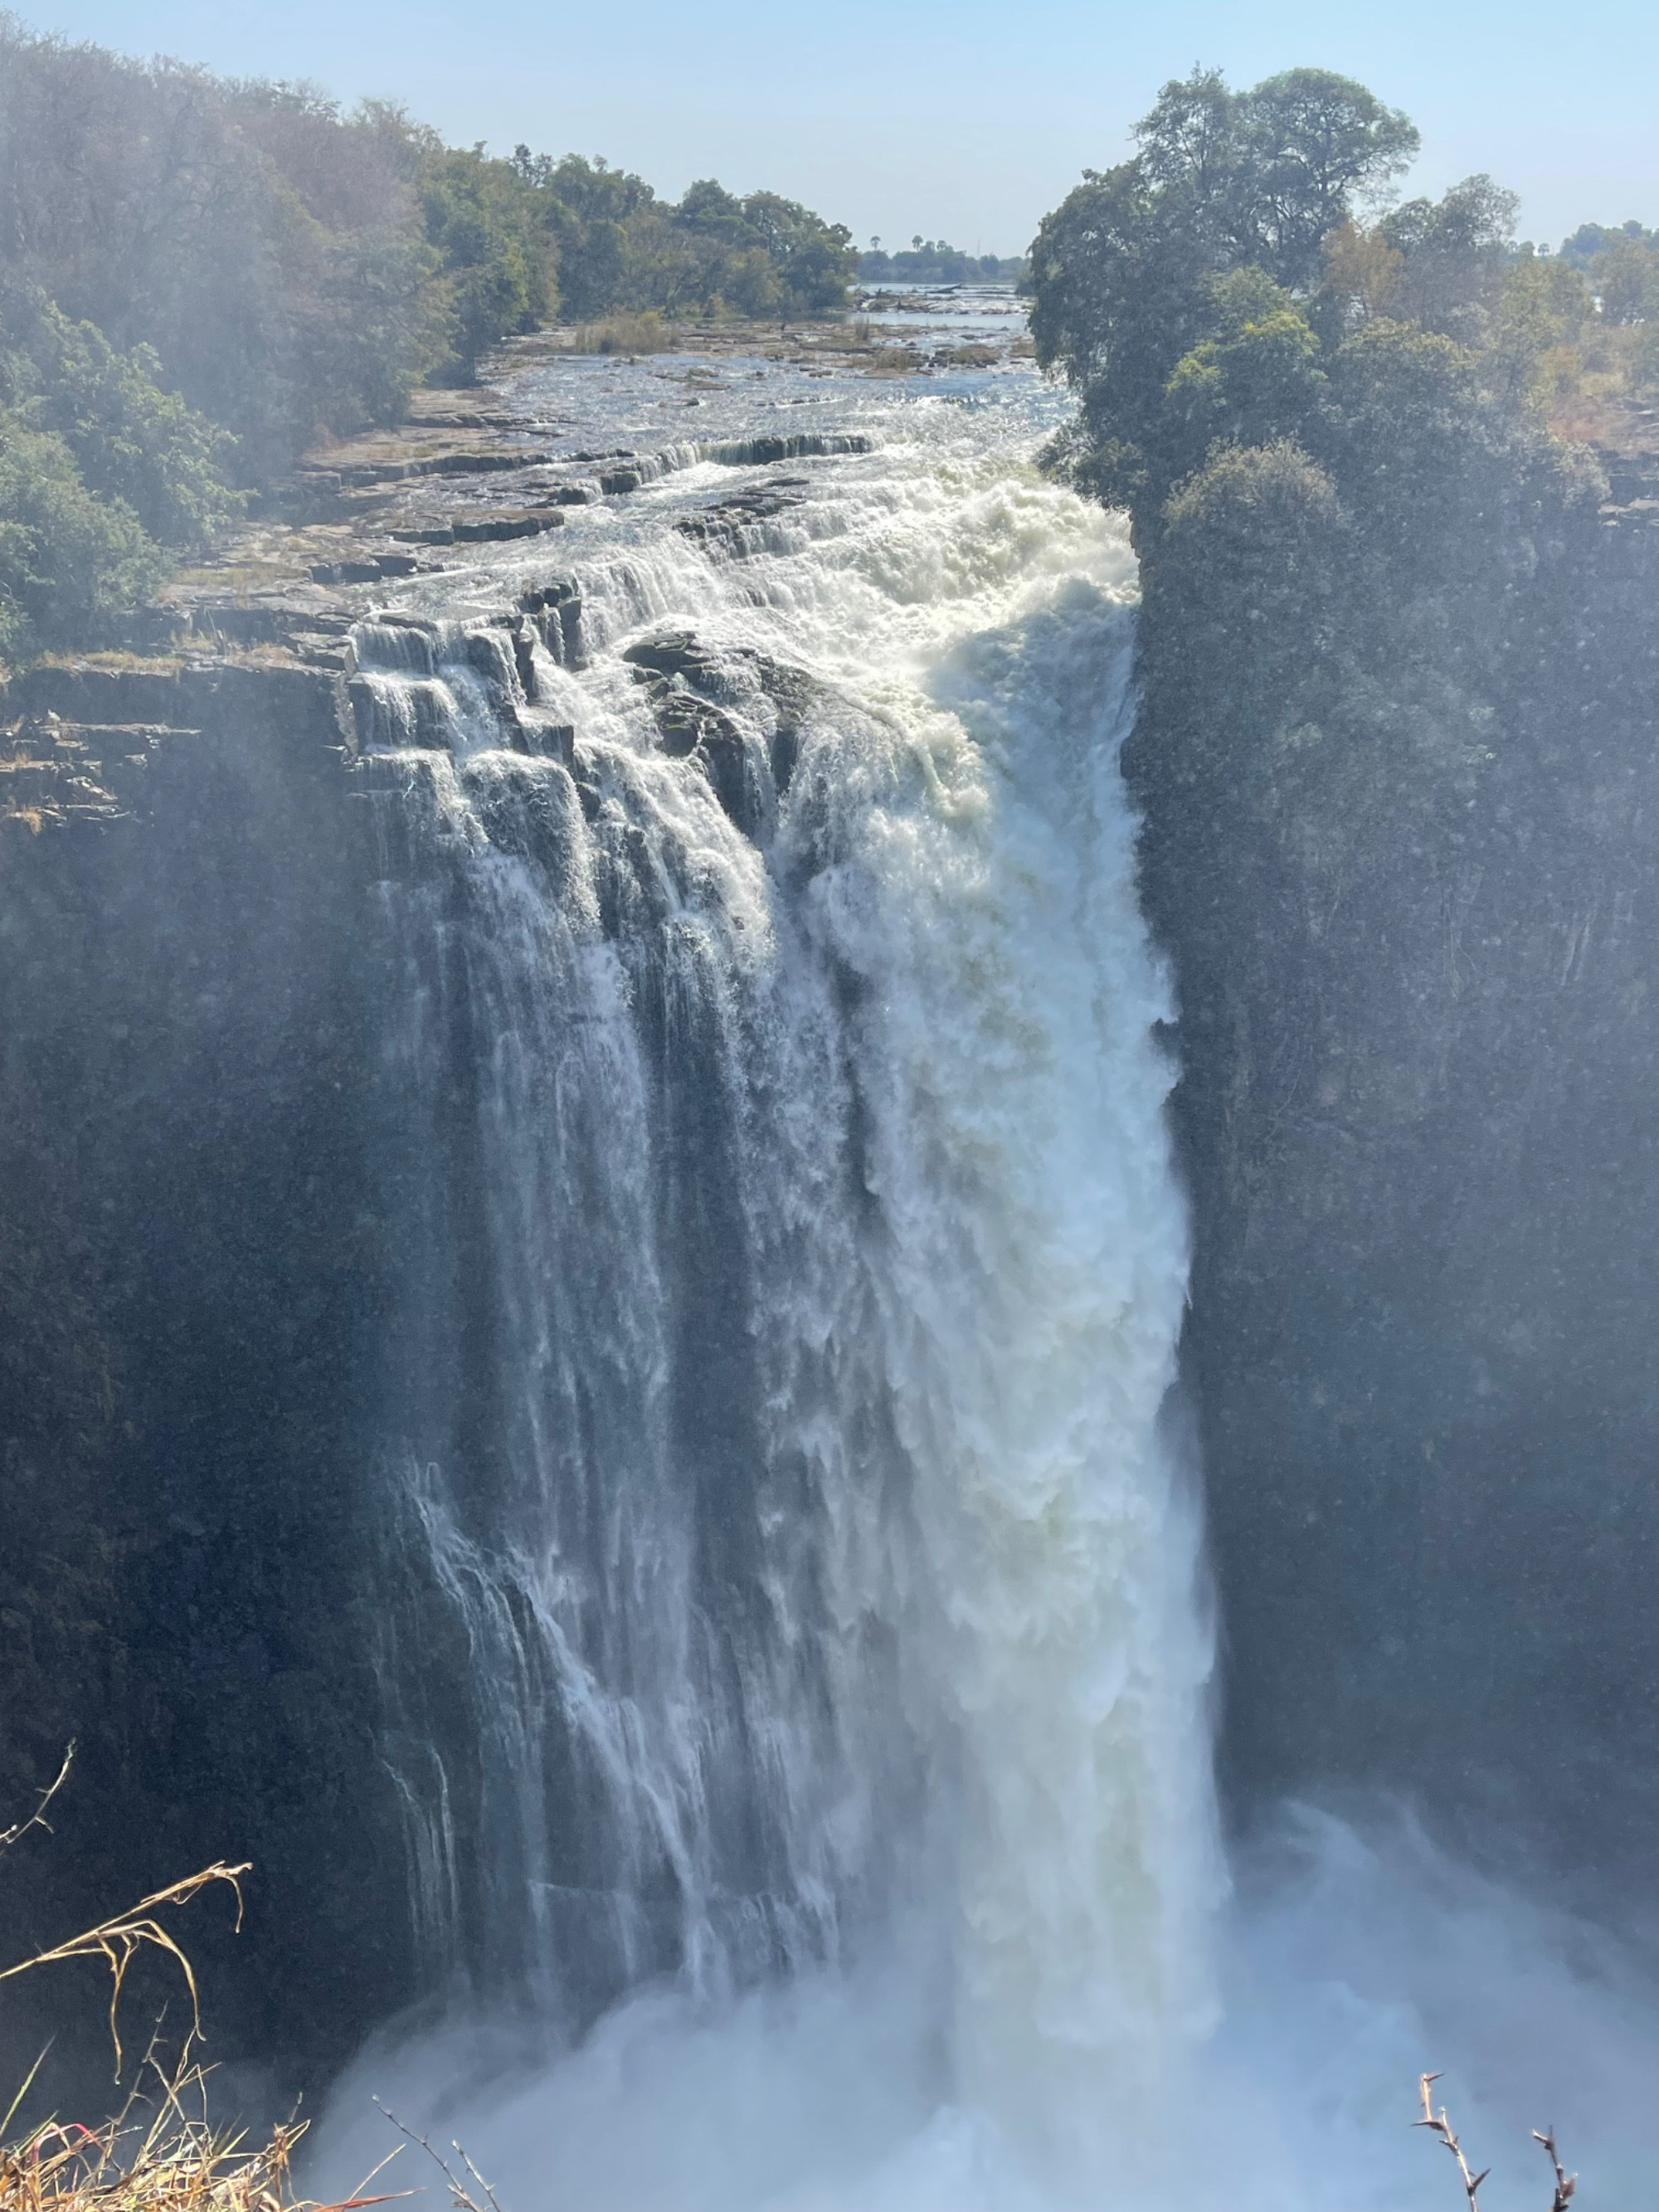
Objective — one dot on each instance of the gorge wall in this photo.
(273, 1264)
(1406, 875)
(196, 1297)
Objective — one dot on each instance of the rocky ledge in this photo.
(262, 637)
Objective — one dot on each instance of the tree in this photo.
(1313, 143)
(70, 561)
(1625, 274)
(1455, 252)
(1123, 273)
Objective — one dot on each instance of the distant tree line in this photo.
(1621, 267)
(931, 261)
(198, 276)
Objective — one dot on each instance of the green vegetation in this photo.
(69, 561)
(623, 249)
(626, 334)
(931, 261)
(1333, 442)
(198, 277)
(103, 473)
(1217, 293)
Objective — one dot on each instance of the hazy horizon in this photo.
(966, 124)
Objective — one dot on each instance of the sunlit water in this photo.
(821, 1630)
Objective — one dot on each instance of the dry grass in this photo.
(166, 2159)
(626, 334)
(119, 660)
(160, 2152)
(117, 1941)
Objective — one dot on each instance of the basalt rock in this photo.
(692, 690)
(728, 524)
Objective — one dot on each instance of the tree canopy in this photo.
(1223, 289)
(1123, 273)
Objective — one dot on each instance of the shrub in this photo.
(70, 561)
(645, 333)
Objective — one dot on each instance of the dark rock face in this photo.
(731, 524)
(797, 445)
(1419, 1027)
(246, 1265)
(193, 1283)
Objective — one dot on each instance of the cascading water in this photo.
(787, 1613)
(782, 1549)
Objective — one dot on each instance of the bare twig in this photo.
(1566, 2183)
(1439, 2125)
(460, 2196)
(37, 1819)
(118, 1940)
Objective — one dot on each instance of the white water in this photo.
(962, 1952)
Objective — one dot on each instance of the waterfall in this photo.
(784, 1566)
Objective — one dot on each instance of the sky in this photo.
(955, 118)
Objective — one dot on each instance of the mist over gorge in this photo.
(824, 1141)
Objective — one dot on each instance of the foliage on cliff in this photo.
(1218, 292)
(1330, 439)
(103, 473)
(1396, 754)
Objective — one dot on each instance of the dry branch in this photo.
(118, 1940)
(37, 1819)
(460, 2197)
(1440, 2126)
(1566, 2183)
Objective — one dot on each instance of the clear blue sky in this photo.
(953, 117)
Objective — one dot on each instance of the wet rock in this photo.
(547, 740)
(673, 652)
(556, 609)
(364, 569)
(691, 691)
(724, 525)
(475, 465)
(345, 572)
(494, 528)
